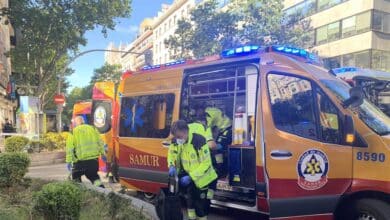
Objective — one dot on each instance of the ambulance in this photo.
(305, 145)
(103, 95)
(376, 84)
(82, 108)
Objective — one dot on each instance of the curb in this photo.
(146, 208)
(47, 158)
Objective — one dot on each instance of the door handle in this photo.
(166, 144)
(281, 154)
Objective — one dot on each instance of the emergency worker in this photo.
(189, 158)
(83, 148)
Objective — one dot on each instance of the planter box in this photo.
(47, 158)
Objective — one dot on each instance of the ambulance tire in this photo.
(149, 197)
(372, 209)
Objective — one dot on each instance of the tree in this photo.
(77, 94)
(207, 32)
(107, 72)
(261, 22)
(53, 29)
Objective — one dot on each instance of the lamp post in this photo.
(61, 76)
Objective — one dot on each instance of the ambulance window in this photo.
(292, 105)
(329, 119)
(148, 116)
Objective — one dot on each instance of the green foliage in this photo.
(54, 141)
(13, 167)
(16, 143)
(209, 30)
(58, 201)
(50, 31)
(77, 94)
(107, 72)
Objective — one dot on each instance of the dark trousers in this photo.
(90, 169)
(197, 199)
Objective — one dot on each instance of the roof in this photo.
(349, 73)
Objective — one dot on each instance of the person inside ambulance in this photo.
(189, 158)
(219, 127)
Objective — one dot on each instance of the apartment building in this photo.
(348, 32)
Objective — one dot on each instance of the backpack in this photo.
(168, 206)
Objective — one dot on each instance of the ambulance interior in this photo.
(233, 90)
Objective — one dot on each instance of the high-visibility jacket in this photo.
(83, 144)
(201, 129)
(194, 158)
(215, 117)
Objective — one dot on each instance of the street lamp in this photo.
(61, 76)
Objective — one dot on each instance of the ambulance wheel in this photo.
(149, 197)
(372, 209)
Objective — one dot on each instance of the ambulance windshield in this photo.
(368, 113)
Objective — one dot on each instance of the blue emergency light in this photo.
(344, 69)
(240, 51)
(295, 51)
(177, 62)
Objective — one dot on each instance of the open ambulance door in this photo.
(308, 165)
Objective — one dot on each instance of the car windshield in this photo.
(368, 113)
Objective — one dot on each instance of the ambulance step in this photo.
(244, 199)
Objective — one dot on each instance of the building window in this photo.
(381, 60)
(148, 116)
(349, 26)
(381, 21)
(362, 59)
(348, 60)
(332, 62)
(324, 4)
(321, 35)
(165, 27)
(333, 31)
(356, 24)
(174, 20)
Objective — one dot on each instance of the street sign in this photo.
(59, 99)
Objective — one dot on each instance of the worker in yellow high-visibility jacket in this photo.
(190, 152)
(83, 148)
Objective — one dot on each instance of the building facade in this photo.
(165, 24)
(348, 32)
(7, 107)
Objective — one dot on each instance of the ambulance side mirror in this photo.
(349, 130)
(356, 97)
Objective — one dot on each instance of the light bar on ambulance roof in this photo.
(177, 62)
(240, 51)
(344, 69)
(296, 51)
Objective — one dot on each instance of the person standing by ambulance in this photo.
(189, 158)
(83, 148)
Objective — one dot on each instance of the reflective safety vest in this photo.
(215, 117)
(199, 128)
(196, 161)
(83, 144)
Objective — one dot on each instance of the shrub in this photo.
(15, 143)
(13, 167)
(54, 141)
(58, 201)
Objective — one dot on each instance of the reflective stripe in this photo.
(191, 214)
(219, 158)
(202, 218)
(210, 194)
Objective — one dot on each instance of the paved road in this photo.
(59, 172)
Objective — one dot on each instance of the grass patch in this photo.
(16, 203)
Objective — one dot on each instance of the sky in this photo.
(125, 32)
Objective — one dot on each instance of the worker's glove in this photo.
(219, 147)
(185, 180)
(104, 158)
(69, 166)
(172, 171)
